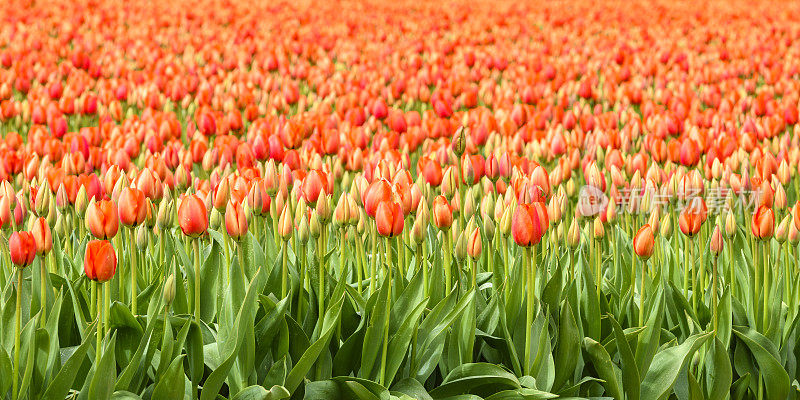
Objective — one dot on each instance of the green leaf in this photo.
(305, 362)
(776, 380)
(720, 365)
(105, 374)
(172, 383)
(666, 367)
(256, 392)
(606, 369)
(630, 373)
(412, 388)
(398, 344)
(5, 370)
(62, 382)
(468, 378)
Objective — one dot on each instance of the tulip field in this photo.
(399, 200)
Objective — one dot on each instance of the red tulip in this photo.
(644, 242)
(376, 193)
(389, 219)
(529, 224)
(474, 244)
(193, 216)
(42, 236)
(442, 213)
(22, 246)
(314, 183)
(100, 261)
(692, 217)
(763, 223)
(102, 219)
(132, 207)
(235, 220)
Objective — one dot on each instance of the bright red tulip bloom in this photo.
(100, 261)
(389, 219)
(377, 192)
(235, 220)
(529, 223)
(763, 223)
(693, 216)
(314, 183)
(42, 236)
(22, 247)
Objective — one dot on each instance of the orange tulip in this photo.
(22, 247)
(102, 219)
(42, 236)
(474, 244)
(193, 216)
(692, 217)
(644, 242)
(529, 223)
(100, 261)
(235, 220)
(442, 213)
(132, 207)
(763, 223)
(389, 219)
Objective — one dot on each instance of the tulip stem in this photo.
(15, 374)
(447, 258)
(133, 272)
(388, 312)
(527, 257)
(360, 263)
(641, 294)
(196, 249)
(424, 270)
(399, 244)
(284, 269)
(342, 252)
(100, 329)
(303, 279)
(687, 243)
(767, 284)
(714, 293)
(695, 291)
(106, 305)
(43, 291)
(321, 273)
(372, 262)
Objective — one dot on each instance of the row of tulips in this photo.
(399, 200)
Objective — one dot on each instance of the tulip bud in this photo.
(285, 225)
(474, 244)
(302, 231)
(574, 234)
(62, 201)
(418, 230)
(324, 208)
(730, 224)
(216, 219)
(164, 215)
(488, 229)
(41, 235)
(341, 214)
(794, 234)
(42, 201)
(782, 231)
(780, 200)
(81, 201)
(361, 225)
(461, 247)
(469, 205)
(141, 237)
(598, 230)
(169, 290)
(505, 221)
(315, 228)
(235, 220)
(716, 242)
(460, 141)
(644, 242)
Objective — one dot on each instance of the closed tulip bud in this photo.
(141, 237)
(644, 242)
(460, 141)
(354, 214)
(100, 261)
(314, 226)
(164, 215)
(474, 244)
(488, 229)
(341, 214)
(598, 231)
(361, 225)
(285, 225)
(487, 206)
(302, 231)
(730, 224)
(572, 188)
(442, 213)
(460, 247)
(193, 217)
(574, 234)
(169, 290)
(324, 208)
(780, 200)
(235, 220)
(505, 221)
(611, 211)
(62, 201)
(42, 201)
(559, 236)
(469, 205)
(418, 230)
(449, 184)
(716, 242)
(216, 219)
(81, 201)
(794, 234)
(654, 220)
(782, 231)
(62, 225)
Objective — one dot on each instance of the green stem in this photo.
(43, 291)
(641, 294)
(100, 329)
(321, 287)
(388, 312)
(133, 272)
(17, 323)
(714, 300)
(424, 271)
(448, 248)
(767, 284)
(372, 262)
(527, 257)
(284, 269)
(196, 249)
(359, 264)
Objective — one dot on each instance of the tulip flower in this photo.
(102, 219)
(442, 213)
(389, 219)
(644, 242)
(100, 262)
(235, 220)
(192, 216)
(22, 247)
(763, 223)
